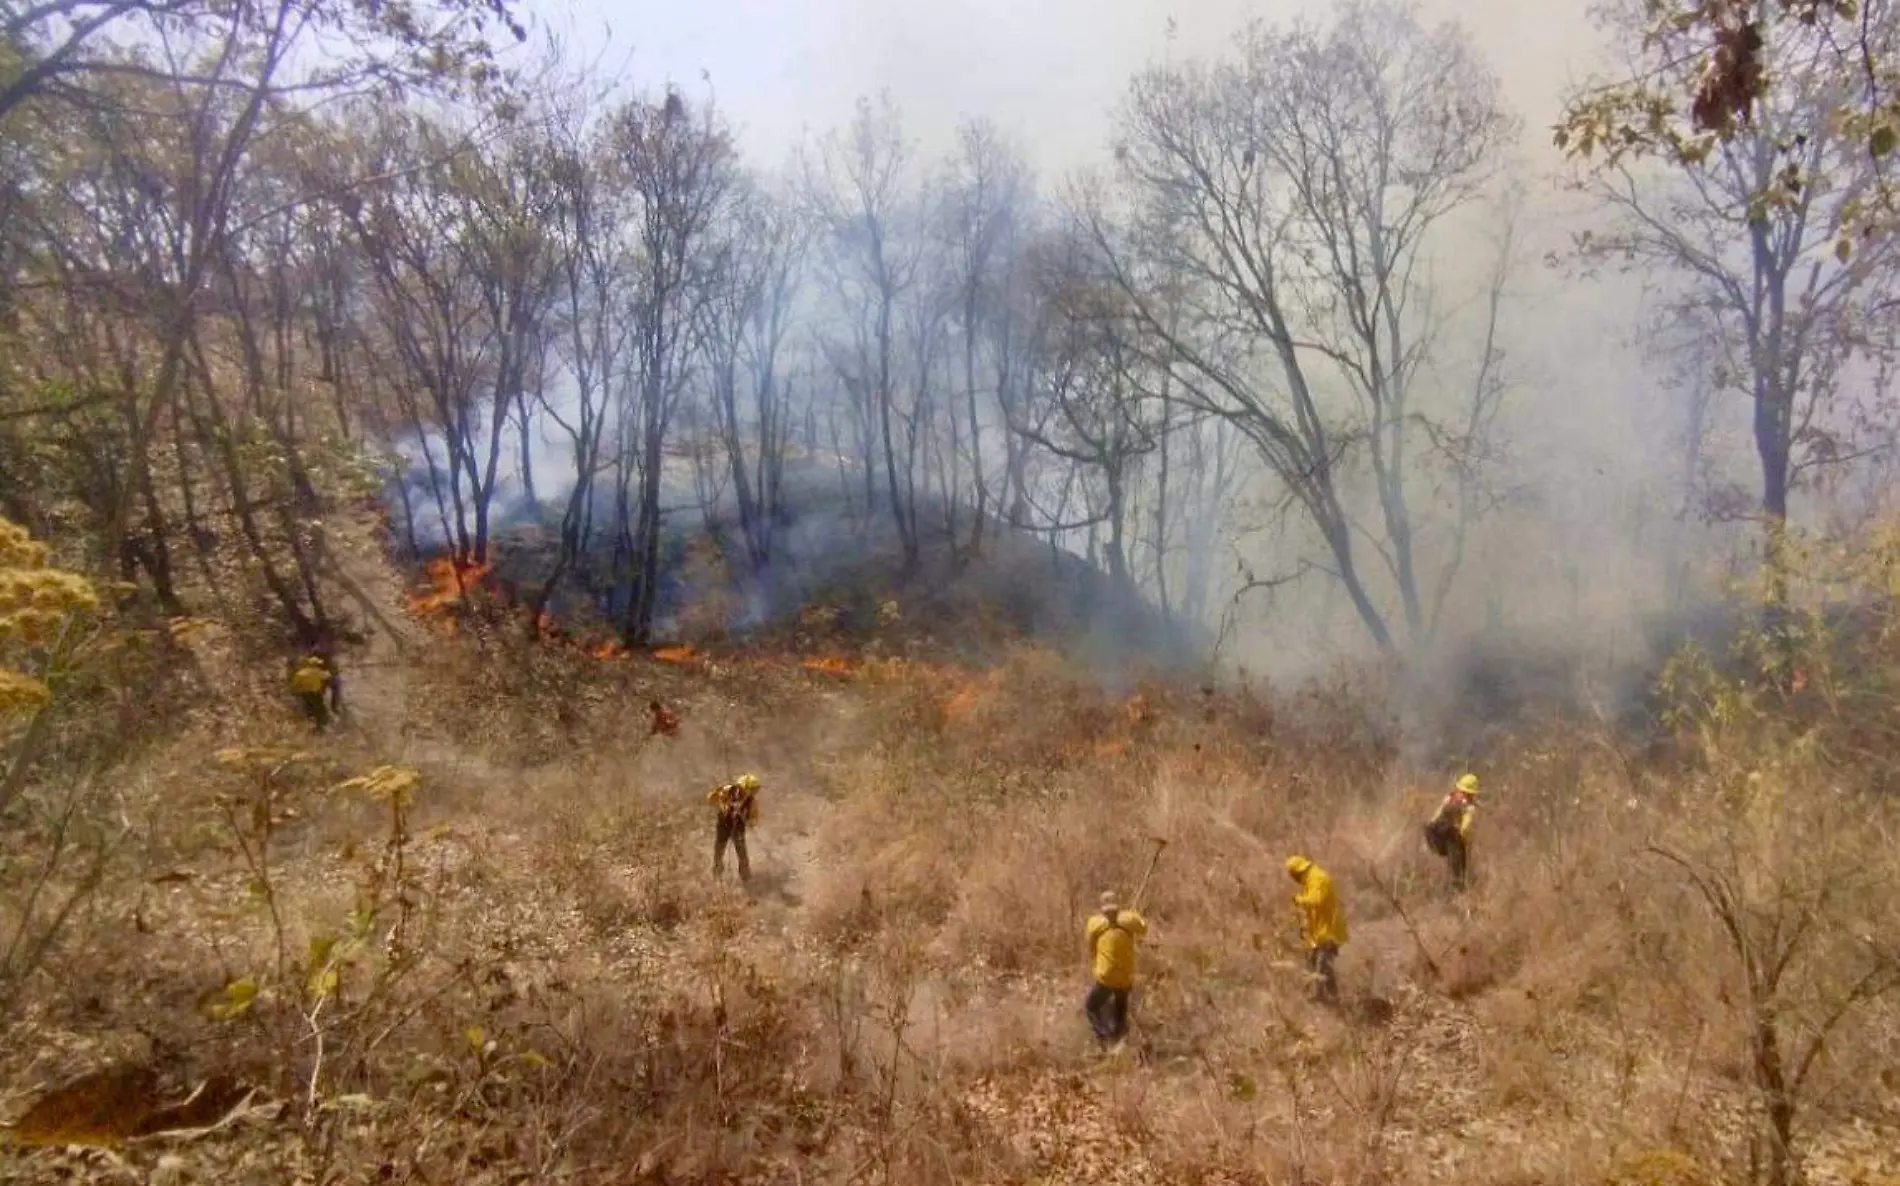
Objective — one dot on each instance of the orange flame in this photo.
(681, 654)
(611, 649)
(964, 702)
(829, 664)
(449, 581)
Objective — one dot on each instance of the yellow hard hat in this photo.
(748, 782)
(1468, 784)
(1298, 866)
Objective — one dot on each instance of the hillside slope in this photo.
(521, 970)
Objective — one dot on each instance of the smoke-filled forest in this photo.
(1264, 344)
(708, 595)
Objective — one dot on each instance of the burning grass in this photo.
(450, 581)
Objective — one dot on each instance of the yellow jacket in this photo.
(734, 800)
(1460, 809)
(1325, 919)
(309, 677)
(1112, 947)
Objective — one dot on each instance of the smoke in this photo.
(1587, 562)
(828, 549)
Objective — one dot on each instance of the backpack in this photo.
(737, 800)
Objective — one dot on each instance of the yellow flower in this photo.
(21, 693)
(18, 549)
(35, 602)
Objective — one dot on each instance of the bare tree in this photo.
(1298, 189)
(988, 188)
(441, 299)
(1096, 405)
(863, 195)
(1803, 974)
(1747, 234)
(212, 82)
(1214, 465)
(67, 49)
(679, 165)
(588, 223)
(1014, 330)
(748, 324)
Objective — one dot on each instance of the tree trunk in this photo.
(1778, 1103)
(981, 488)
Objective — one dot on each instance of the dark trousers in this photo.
(1444, 840)
(315, 707)
(731, 831)
(1320, 962)
(1107, 1009)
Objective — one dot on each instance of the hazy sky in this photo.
(1050, 73)
(1047, 70)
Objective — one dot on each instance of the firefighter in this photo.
(1448, 832)
(313, 683)
(1323, 925)
(737, 806)
(1112, 936)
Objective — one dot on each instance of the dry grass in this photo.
(898, 998)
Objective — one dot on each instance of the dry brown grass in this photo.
(898, 999)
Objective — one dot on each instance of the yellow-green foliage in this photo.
(36, 600)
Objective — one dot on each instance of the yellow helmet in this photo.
(747, 782)
(1298, 866)
(1468, 784)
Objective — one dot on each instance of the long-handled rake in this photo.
(1160, 842)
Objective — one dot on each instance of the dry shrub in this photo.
(895, 858)
(1659, 1167)
(1022, 894)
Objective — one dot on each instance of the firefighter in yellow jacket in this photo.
(1112, 935)
(1448, 833)
(311, 681)
(1323, 925)
(737, 806)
